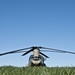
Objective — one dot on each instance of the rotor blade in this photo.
(48, 51)
(52, 51)
(15, 51)
(44, 55)
(21, 52)
(27, 52)
(57, 50)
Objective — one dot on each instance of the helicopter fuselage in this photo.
(36, 60)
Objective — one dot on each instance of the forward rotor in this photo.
(29, 49)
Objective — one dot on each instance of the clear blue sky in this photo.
(49, 23)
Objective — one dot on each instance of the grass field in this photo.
(10, 70)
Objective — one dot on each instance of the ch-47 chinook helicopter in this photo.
(37, 58)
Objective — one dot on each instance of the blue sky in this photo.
(26, 23)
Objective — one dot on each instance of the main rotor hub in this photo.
(36, 47)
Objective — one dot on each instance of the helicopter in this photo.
(37, 58)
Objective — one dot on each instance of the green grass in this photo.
(10, 70)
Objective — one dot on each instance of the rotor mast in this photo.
(36, 52)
